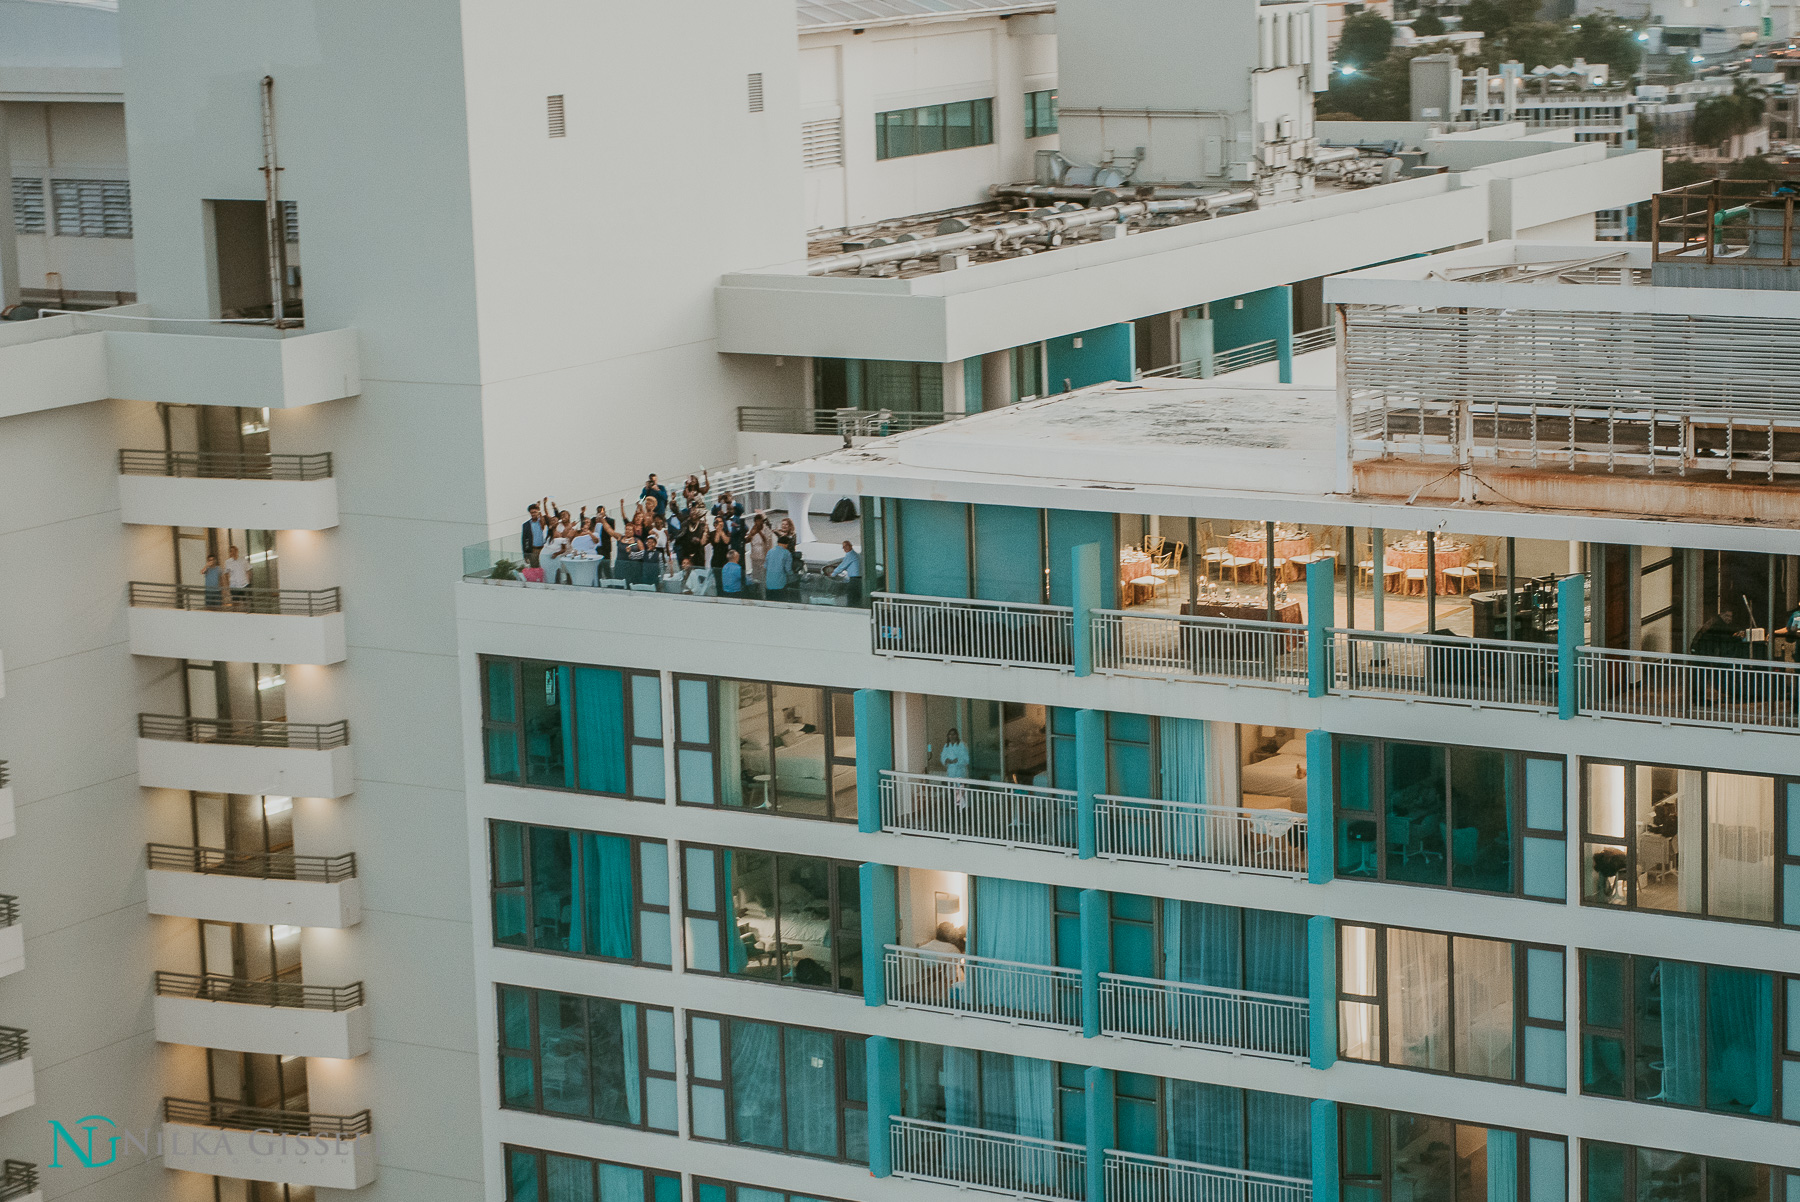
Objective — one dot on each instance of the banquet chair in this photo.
(1414, 576)
(1170, 564)
(1486, 567)
(1460, 577)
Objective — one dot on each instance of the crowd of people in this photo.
(692, 542)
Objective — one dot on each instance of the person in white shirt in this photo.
(237, 573)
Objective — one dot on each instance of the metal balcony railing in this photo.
(1137, 643)
(232, 1116)
(862, 423)
(243, 732)
(1200, 1016)
(286, 995)
(258, 865)
(1694, 690)
(989, 1160)
(17, 1179)
(982, 632)
(5, 774)
(1248, 355)
(220, 465)
(15, 1044)
(293, 602)
(1307, 341)
(9, 910)
(1262, 842)
(1725, 221)
(914, 803)
(1477, 672)
(1131, 1177)
(1039, 995)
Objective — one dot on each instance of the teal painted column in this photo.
(1321, 606)
(874, 753)
(1090, 357)
(880, 927)
(1321, 795)
(1096, 955)
(1571, 620)
(1324, 1151)
(1283, 322)
(1321, 990)
(1102, 1128)
(1084, 596)
(1090, 777)
(883, 1063)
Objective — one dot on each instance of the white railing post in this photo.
(986, 632)
(1021, 1165)
(979, 811)
(1202, 1016)
(1028, 994)
(1235, 838)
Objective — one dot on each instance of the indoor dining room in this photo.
(1405, 581)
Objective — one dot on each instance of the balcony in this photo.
(17, 1078)
(1477, 672)
(225, 755)
(263, 626)
(128, 354)
(1004, 633)
(19, 1181)
(1032, 995)
(277, 1018)
(959, 809)
(266, 888)
(1171, 646)
(971, 1158)
(1689, 690)
(1131, 1177)
(8, 826)
(1200, 1016)
(12, 936)
(254, 492)
(1259, 842)
(288, 1147)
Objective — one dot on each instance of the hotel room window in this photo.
(781, 748)
(573, 726)
(786, 919)
(580, 893)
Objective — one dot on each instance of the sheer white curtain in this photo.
(1690, 819)
(1740, 846)
(731, 759)
(1418, 999)
(1484, 1007)
(1221, 764)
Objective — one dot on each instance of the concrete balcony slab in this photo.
(18, 1085)
(322, 1161)
(273, 1030)
(219, 634)
(215, 897)
(147, 500)
(230, 768)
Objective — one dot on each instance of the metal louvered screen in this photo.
(822, 144)
(554, 107)
(28, 205)
(756, 92)
(92, 208)
(290, 221)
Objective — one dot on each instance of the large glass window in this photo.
(1702, 1036)
(934, 127)
(1393, 1156)
(1040, 113)
(572, 726)
(1451, 1004)
(769, 1085)
(1459, 817)
(580, 892)
(727, 1191)
(1615, 1173)
(587, 1058)
(783, 748)
(793, 920)
(1690, 841)
(536, 1176)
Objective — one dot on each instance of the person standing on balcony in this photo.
(732, 576)
(237, 574)
(758, 542)
(533, 534)
(955, 759)
(850, 566)
(778, 571)
(656, 496)
(215, 594)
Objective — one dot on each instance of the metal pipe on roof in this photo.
(1049, 223)
(1334, 154)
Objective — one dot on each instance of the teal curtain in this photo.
(810, 1072)
(599, 734)
(563, 673)
(522, 1176)
(934, 548)
(1206, 1124)
(1013, 921)
(568, 1178)
(1068, 530)
(737, 956)
(1740, 1033)
(1184, 772)
(1279, 1134)
(1679, 987)
(628, 1048)
(610, 895)
(1275, 953)
(962, 1090)
(1502, 1166)
(1009, 555)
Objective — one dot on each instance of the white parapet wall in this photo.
(236, 637)
(324, 1162)
(234, 504)
(216, 897)
(227, 768)
(12, 949)
(272, 1030)
(18, 1085)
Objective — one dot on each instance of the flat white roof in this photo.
(822, 16)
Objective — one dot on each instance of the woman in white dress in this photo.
(955, 759)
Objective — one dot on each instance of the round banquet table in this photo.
(1412, 555)
(1255, 547)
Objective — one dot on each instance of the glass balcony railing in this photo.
(501, 560)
